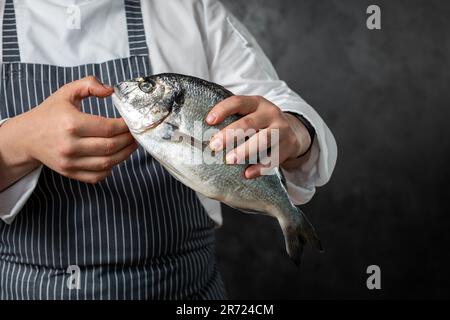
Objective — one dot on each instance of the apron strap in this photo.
(136, 31)
(135, 25)
(10, 44)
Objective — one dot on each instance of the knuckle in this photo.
(91, 79)
(109, 131)
(228, 135)
(258, 99)
(292, 139)
(91, 180)
(110, 147)
(237, 100)
(218, 109)
(130, 150)
(94, 179)
(67, 174)
(70, 125)
(284, 126)
(274, 112)
(105, 164)
(100, 146)
(99, 177)
(249, 122)
(66, 150)
(64, 164)
(106, 175)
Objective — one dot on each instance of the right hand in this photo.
(77, 145)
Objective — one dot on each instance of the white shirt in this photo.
(194, 37)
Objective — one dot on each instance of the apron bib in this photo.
(140, 234)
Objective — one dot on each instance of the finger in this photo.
(96, 126)
(103, 163)
(266, 164)
(252, 150)
(254, 171)
(246, 126)
(233, 105)
(86, 87)
(93, 146)
(91, 177)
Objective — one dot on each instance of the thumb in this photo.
(87, 87)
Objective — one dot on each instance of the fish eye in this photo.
(147, 86)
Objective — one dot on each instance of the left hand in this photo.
(261, 115)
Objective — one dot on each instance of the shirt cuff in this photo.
(313, 169)
(13, 198)
(301, 178)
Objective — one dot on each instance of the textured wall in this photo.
(385, 95)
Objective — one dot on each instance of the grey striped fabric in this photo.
(9, 36)
(136, 33)
(140, 234)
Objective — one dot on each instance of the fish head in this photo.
(145, 102)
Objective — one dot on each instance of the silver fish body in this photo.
(163, 113)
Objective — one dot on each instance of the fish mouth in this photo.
(118, 91)
(134, 126)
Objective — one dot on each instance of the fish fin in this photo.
(297, 233)
(247, 210)
(280, 174)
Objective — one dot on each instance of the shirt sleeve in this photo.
(15, 196)
(237, 62)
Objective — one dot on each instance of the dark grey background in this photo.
(385, 95)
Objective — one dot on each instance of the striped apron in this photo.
(140, 234)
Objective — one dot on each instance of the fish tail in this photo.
(298, 231)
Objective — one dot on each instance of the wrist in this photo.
(16, 141)
(302, 133)
(15, 161)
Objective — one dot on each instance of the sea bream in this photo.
(163, 112)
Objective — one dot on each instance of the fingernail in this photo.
(216, 144)
(211, 118)
(106, 86)
(250, 175)
(231, 158)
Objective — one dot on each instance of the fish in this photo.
(163, 113)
